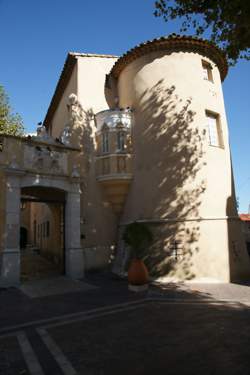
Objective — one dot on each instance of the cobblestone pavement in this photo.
(171, 329)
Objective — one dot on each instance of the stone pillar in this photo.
(74, 262)
(10, 254)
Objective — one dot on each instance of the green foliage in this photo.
(10, 123)
(227, 21)
(138, 237)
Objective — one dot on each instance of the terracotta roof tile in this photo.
(173, 43)
(245, 217)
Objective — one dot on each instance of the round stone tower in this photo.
(182, 179)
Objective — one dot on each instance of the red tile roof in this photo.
(173, 43)
(245, 217)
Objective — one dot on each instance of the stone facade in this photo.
(21, 177)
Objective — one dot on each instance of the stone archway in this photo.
(15, 180)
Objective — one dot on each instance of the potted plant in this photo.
(137, 236)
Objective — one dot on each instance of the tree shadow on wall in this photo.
(94, 232)
(82, 135)
(170, 165)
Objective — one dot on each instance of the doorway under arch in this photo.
(42, 209)
(23, 186)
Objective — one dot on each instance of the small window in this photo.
(207, 71)
(214, 130)
(105, 142)
(121, 140)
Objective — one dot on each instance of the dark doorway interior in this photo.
(23, 237)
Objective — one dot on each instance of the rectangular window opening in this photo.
(207, 71)
(105, 142)
(121, 141)
(214, 129)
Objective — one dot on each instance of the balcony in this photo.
(114, 166)
(114, 174)
(114, 155)
(114, 117)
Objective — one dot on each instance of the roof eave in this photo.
(60, 87)
(173, 43)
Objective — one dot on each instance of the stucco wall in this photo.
(177, 174)
(60, 117)
(50, 244)
(98, 223)
(169, 97)
(91, 81)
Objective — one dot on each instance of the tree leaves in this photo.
(228, 22)
(10, 123)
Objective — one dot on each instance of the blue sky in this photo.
(37, 34)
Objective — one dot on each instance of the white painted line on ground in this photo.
(129, 308)
(93, 316)
(56, 352)
(6, 331)
(202, 302)
(68, 316)
(29, 355)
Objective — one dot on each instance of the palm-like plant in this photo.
(138, 237)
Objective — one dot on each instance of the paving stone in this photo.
(183, 330)
(160, 338)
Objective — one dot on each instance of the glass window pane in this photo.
(105, 142)
(121, 141)
(213, 130)
(205, 73)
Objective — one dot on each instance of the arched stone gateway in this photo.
(43, 170)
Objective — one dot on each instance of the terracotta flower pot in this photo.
(137, 273)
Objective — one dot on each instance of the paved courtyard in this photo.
(98, 327)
